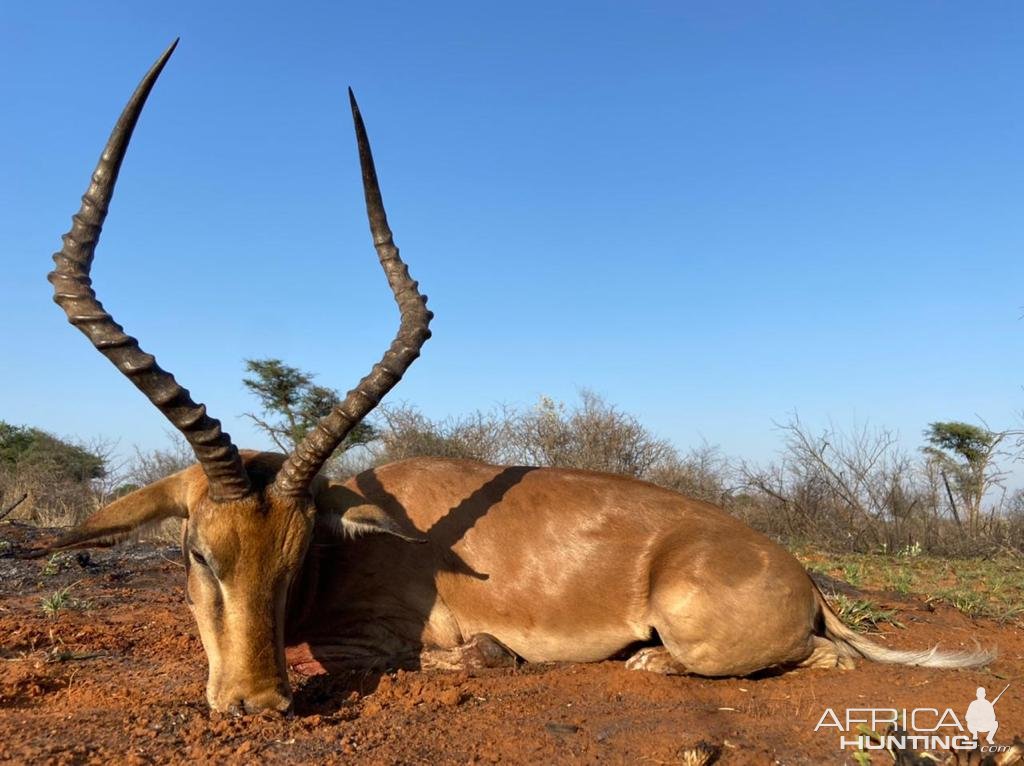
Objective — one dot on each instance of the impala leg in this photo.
(825, 654)
(481, 651)
(656, 659)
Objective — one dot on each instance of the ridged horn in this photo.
(309, 456)
(72, 290)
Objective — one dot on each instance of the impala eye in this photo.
(196, 557)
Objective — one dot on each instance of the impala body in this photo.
(431, 558)
(554, 565)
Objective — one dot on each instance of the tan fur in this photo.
(547, 564)
(252, 549)
(571, 565)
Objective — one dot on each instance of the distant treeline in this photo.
(850, 491)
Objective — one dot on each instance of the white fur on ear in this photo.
(368, 519)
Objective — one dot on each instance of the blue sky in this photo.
(712, 214)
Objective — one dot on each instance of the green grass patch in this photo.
(62, 599)
(992, 588)
(57, 563)
(861, 614)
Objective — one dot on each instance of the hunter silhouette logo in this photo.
(981, 715)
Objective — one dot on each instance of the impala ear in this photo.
(150, 505)
(344, 513)
(367, 519)
(361, 519)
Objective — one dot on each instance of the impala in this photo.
(438, 561)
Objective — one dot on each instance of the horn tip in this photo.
(170, 48)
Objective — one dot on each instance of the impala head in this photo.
(248, 516)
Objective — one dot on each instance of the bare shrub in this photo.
(147, 467)
(104, 487)
(703, 473)
(346, 464)
(853, 490)
(593, 435)
(7, 508)
(856, 490)
(152, 465)
(1012, 533)
(59, 477)
(405, 432)
(47, 502)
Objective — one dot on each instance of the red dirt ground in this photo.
(122, 681)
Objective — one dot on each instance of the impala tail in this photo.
(853, 644)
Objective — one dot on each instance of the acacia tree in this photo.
(966, 456)
(291, 404)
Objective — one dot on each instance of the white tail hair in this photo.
(852, 644)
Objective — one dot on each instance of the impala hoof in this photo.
(272, 702)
